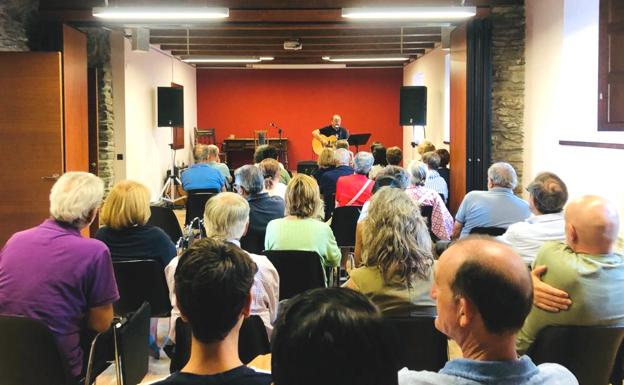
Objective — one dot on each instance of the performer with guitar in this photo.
(328, 135)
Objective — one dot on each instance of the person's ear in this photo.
(247, 307)
(571, 234)
(465, 312)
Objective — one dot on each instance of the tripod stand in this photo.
(168, 192)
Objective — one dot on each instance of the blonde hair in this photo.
(303, 199)
(126, 205)
(425, 146)
(270, 170)
(326, 158)
(74, 197)
(226, 216)
(200, 152)
(212, 151)
(395, 237)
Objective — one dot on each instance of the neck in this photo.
(490, 347)
(217, 357)
(592, 249)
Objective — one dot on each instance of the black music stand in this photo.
(358, 140)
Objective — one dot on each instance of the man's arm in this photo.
(547, 297)
(99, 318)
(457, 228)
(316, 134)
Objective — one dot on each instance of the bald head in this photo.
(592, 225)
(336, 120)
(493, 278)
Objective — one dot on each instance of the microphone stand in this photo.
(280, 147)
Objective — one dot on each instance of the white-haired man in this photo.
(327, 184)
(497, 207)
(53, 274)
(356, 189)
(226, 218)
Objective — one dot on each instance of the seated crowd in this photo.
(552, 263)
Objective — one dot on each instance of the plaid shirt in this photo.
(436, 183)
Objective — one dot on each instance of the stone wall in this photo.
(508, 40)
(16, 20)
(99, 55)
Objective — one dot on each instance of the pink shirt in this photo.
(441, 218)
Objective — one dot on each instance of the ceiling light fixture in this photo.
(160, 13)
(410, 13)
(347, 59)
(296, 66)
(225, 59)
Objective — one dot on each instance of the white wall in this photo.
(561, 100)
(431, 71)
(147, 152)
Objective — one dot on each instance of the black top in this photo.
(328, 180)
(237, 376)
(341, 133)
(319, 173)
(263, 208)
(145, 242)
(445, 173)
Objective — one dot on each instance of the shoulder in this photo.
(556, 373)
(423, 377)
(157, 234)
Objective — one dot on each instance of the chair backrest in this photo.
(165, 218)
(307, 167)
(589, 352)
(196, 202)
(492, 231)
(141, 280)
(252, 342)
(427, 213)
(133, 349)
(253, 241)
(30, 355)
(344, 223)
(298, 271)
(330, 204)
(420, 345)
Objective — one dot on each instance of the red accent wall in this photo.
(240, 101)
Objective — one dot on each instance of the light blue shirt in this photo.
(498, 207)
(470, 372)
(436, 183)
(202, 176)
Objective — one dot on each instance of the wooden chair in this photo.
(260, 138)
(205, 136)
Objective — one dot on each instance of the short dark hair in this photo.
(445, 156)
(264, 151)
(212, 284)
(375, 144)
(431, 159)
(323, 336)
(379, 155)
(549, 193)
(394, 156)
(502, 303)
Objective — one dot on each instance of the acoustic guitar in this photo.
(318, 146)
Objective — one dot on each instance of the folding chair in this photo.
(196, 202)
(491, 231)
(165, 218)
(138, 281)
(344, 223)
(298, 271)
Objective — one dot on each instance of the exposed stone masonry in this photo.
(16, 19)
(99, 54)
(508, 61)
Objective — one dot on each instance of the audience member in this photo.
(396, 272)
(125, 213)
(332, 337)
(326, 161)
(547, 196)
(52, 274)
(483, 295)
(393, 176)
(497, 207)
(441, 219)
(425, 146)
(202, 176)
(585, 267)
(394, 156)
(344, 143)
(249, 182)
(373, 145)
(434, 181)
(379, 160)
(302, 228)
(270, 169)
(266, 151)
(355, 189)
(327, 184)
(213, 287)
(215, 161)
(225, 219)
(445, 173)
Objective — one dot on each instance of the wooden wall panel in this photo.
(31, 148)
(75, 100)
(458, 117)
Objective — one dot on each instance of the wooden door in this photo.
(458, 116)
(31, 131)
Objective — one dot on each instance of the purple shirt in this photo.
(53, 274)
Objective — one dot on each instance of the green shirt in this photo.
(594, 283)
(393, 298)
(303, 234)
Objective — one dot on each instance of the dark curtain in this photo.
(478, 104)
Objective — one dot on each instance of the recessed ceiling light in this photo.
(159, 13)
(365, 59)
(410, 13)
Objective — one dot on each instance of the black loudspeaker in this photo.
(413, 106)
(170, 107)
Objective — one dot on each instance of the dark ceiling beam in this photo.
(312, 30)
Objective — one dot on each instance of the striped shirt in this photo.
(436, 183)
